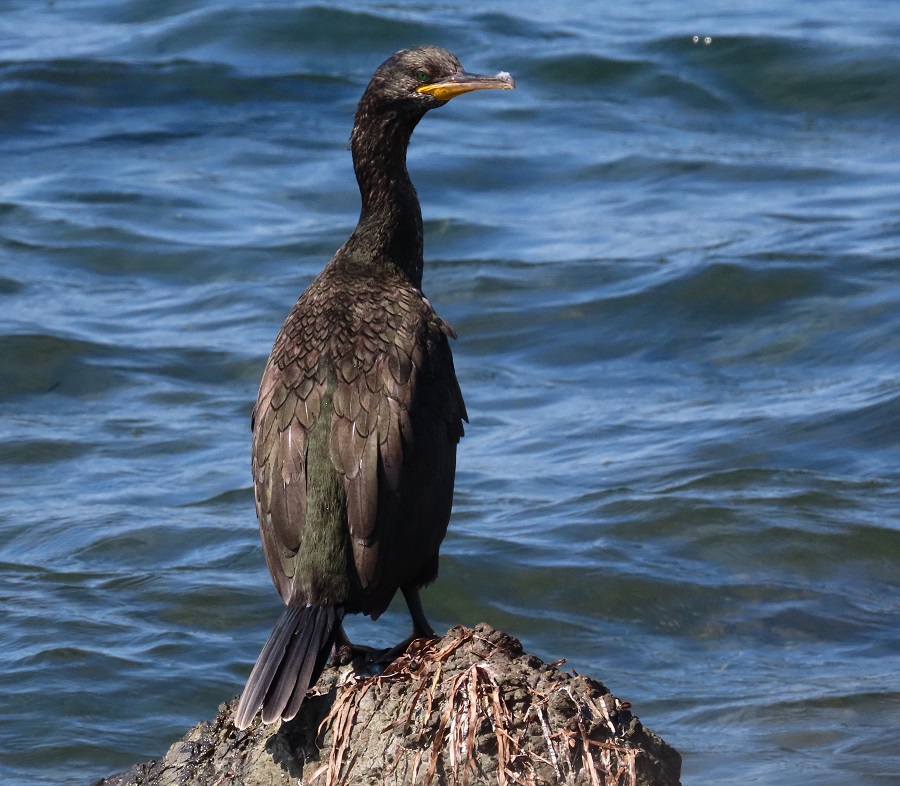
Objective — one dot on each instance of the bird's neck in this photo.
(389, 232)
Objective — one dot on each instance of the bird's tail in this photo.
(292, 660)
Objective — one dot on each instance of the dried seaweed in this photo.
(450, 713)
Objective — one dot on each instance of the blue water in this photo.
(674, 267)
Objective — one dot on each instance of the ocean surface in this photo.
(672, 256)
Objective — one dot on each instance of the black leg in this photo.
(345, 650)
(421, 628)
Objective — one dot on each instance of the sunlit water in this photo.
(673, 267)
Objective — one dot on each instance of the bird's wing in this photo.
(290, 399)
(396, 423)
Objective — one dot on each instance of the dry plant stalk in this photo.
(466, 702)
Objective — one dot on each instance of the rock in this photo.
(470, 709)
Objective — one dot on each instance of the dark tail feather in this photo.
(291, 660)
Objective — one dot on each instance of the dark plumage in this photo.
(359, 411)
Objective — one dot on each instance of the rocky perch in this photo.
(470, 709)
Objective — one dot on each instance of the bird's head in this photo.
(415, 80)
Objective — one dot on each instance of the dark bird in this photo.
(359, 411)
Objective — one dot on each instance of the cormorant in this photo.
(359, 411)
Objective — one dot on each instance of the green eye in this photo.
(422, 76)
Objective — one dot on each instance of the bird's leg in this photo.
(345, 650)
(421, 628)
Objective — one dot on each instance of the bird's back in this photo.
(354, 441)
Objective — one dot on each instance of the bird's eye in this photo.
(422, 76)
